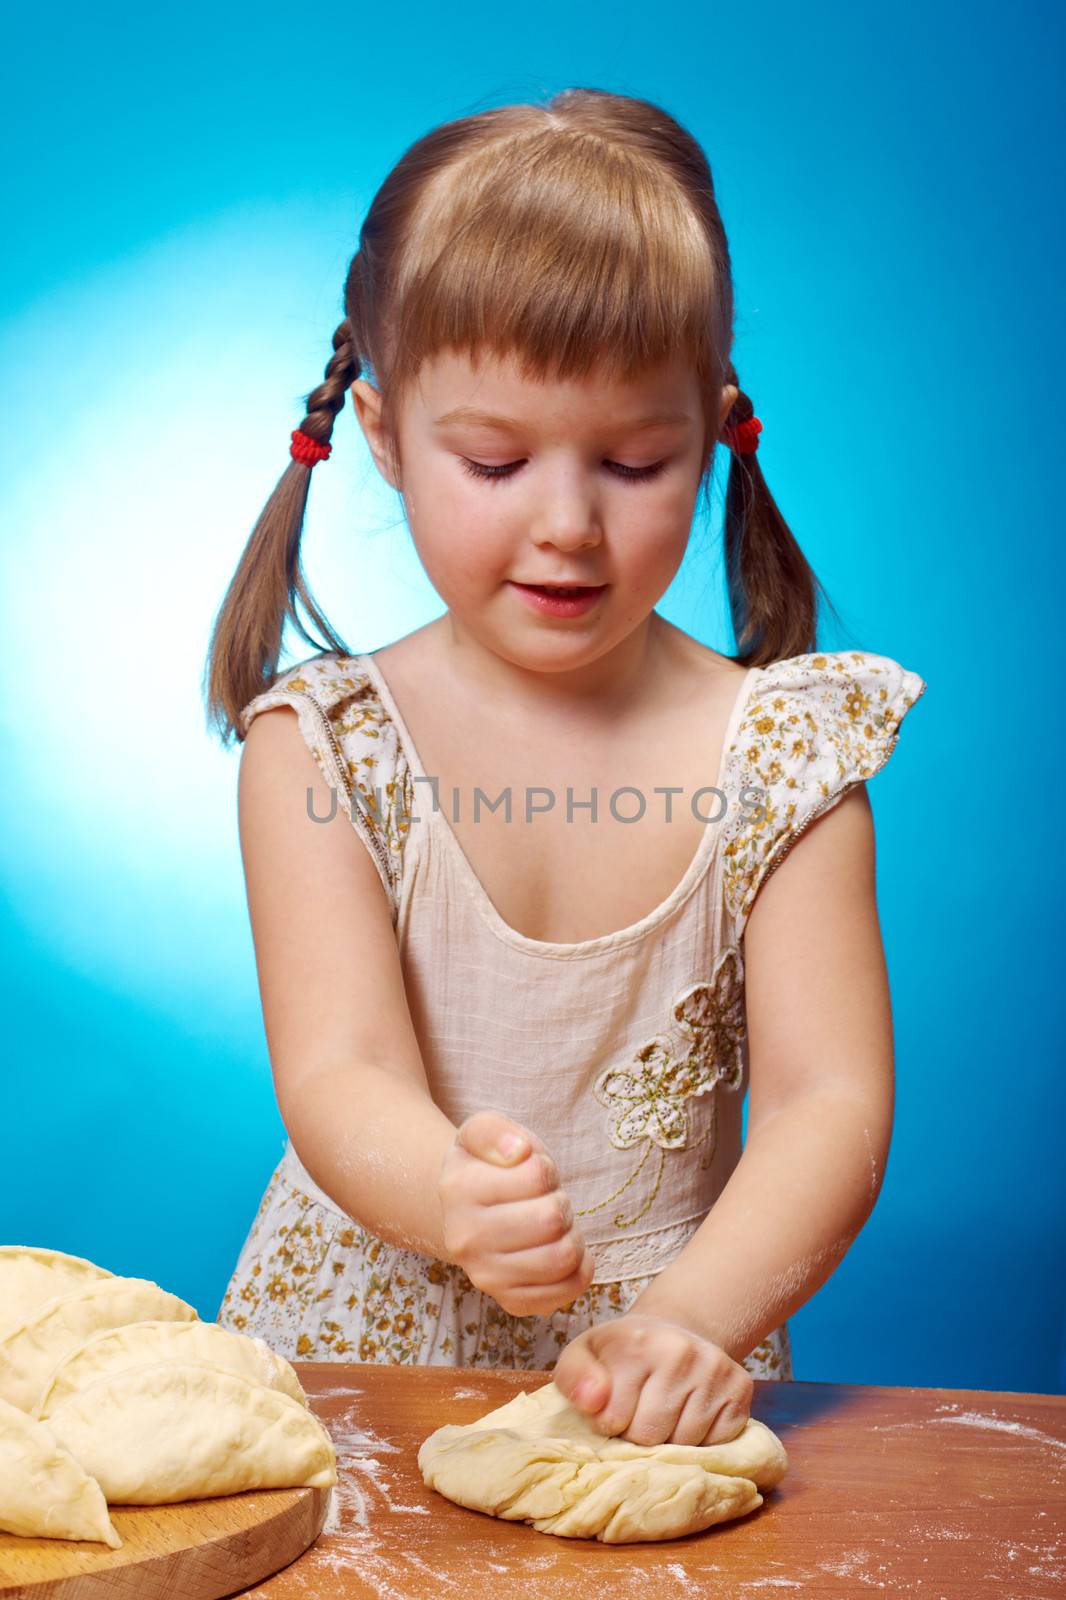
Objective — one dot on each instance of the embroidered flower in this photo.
(649, 1095)
(711, 1015)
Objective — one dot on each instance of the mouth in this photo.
(561, 600)
(563, 589)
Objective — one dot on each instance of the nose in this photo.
(568, 523)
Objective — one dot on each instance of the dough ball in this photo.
(538, 1459)
(185, 1431)
(136, 1344)
(31, 1350)
(31, 1274)
(44, 1492)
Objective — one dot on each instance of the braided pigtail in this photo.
(773, 591)
(247, 634)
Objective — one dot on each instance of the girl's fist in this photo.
(506, 1221)
(655, 1381)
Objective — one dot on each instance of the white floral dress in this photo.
(626, 1053)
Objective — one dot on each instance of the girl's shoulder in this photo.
(812, 727)
(325, 680)
(355, 745)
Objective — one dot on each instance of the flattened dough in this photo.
(44, 1492)
(31, 1274)
(183, 1431)
(30, 1351)
(136, 1344)
(538, 1459)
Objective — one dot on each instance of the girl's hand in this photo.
(656, 1382)
(506, 1221)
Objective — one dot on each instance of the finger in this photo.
(582, 1377)
(534, 1178)
(697, 1416)
(527, 1224)
(627, 1367)
(662, 1402)
(493, 1136)
(543, 1299)
(544, 1264)
(730, 1421)
(627, 1380)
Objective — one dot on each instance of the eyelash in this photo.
(498, 474)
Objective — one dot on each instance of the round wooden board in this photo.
(194, 1550)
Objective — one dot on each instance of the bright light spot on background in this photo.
(156, 403)
(156, 400)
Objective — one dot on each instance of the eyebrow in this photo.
(489, 419)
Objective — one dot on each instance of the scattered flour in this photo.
(374, 1476)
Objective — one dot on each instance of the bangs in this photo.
(567, 252)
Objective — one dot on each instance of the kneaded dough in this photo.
(44, 1492)
(137, 1344)
(538, 1459)
(30, 1351)
(31, 1274)
(187, 1431)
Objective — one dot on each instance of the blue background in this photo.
(187, 196)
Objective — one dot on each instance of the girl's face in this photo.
(507, 481)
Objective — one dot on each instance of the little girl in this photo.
(519, 950)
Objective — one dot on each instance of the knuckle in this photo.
(745, 1385)
(459, 1242)
(684, 1358)
(547, 1175)
(567, 1255)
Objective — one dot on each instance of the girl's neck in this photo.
(598, 690)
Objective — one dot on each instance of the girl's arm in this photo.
(348, 1072)
(822, 1094)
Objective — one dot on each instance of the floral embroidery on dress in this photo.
(647, 1097)
(817, 726)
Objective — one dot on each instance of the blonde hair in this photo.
(578, 234)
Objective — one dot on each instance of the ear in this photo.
(367, 403)
(728, 401)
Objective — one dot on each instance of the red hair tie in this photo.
(743, 437)
(307, 450)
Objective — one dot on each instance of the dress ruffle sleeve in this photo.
(815, 726)
(357, 750)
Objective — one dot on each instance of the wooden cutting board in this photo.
(197, 1550)
(892, 1493)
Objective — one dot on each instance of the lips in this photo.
(553, 602)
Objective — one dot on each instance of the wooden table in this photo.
(936, 1494)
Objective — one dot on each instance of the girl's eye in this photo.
(495, 474)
